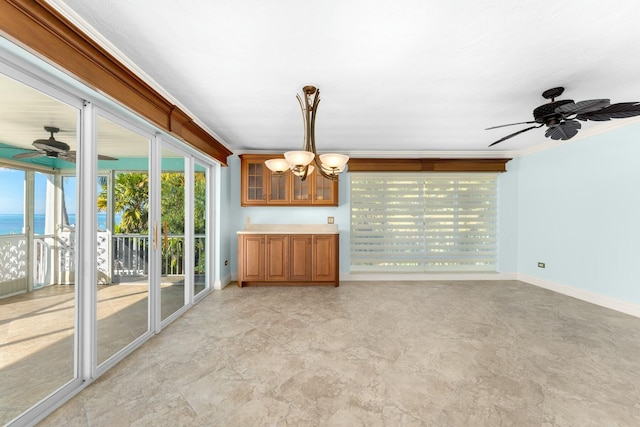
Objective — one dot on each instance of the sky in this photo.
(12, 185)
(12, 192)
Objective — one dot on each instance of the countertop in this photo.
(289, 229)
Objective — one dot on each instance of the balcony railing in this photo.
(131, 255)
(54, 259)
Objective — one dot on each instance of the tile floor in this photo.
(379, 354)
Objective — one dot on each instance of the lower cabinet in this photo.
(288, 259)
(300, 258)
(276, 262)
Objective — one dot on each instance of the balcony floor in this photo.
(37, 334)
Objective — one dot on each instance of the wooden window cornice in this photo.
(427, 165)
(38, 26)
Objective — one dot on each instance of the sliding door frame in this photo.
(29, 70)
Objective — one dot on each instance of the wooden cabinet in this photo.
(260, 187)
(300, 260)
(316, 190)
(325, 256)
(251, 264)
(288, 259)
(276, 258)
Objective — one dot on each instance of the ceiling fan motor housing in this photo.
(51, 145)
(547, 112)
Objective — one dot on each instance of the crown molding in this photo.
(41, 28)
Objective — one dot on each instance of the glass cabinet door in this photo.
(278, 190)
(301, 191)
(323, 189)
(255, 181)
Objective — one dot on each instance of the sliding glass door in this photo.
(38, 310)
(173, 286)
(200, 240)
(123, 237)
(104, 239)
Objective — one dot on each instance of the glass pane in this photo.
(199, 228)
(323, 187)
(122, 238)
(13, 238)
(44, 221)
(172, 292)
(301, 188)
(37, 307)
(66, 244)
(255, 181)
(278, 187)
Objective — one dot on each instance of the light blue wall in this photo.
(508, 242)
(579, 212)
(573, 207)
(508, 216)
(225, 212)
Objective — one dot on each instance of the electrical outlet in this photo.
(330, 220)
(541, 265)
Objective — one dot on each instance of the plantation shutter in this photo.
(423, 222)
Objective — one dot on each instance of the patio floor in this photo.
(37, 336)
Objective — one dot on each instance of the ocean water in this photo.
(14, 223)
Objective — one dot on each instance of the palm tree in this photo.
(131, 199)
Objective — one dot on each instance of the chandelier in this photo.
(299, 162)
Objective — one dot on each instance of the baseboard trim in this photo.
(422, 277)
(219, 285)
(597, 299)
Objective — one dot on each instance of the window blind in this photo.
(423, 222)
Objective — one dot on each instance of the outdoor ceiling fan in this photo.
(53, 148)
(561, 117)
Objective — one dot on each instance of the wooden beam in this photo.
(37, 26)
(427, 165)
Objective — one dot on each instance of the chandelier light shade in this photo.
(277, 165)
(333, 161)
(299, 158)
(299, 162)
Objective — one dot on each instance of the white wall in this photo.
(579, 212)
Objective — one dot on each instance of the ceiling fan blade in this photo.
(621, 110)
(587, 106)
(514, 134)
(68, 157)
(511, 124)
(563, 131)
(30, 155)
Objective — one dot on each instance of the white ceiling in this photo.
(411, 77)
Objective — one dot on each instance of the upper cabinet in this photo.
(261, 187)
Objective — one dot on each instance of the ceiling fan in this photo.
(561, 117)
(53, 148)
